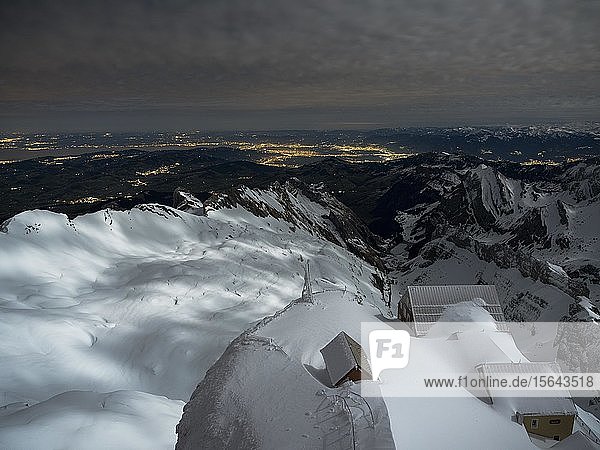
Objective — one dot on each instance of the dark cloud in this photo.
(378, 61)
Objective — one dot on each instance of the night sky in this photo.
(271, 64)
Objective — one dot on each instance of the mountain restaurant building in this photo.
(424, 305)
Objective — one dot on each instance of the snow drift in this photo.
(124, 311)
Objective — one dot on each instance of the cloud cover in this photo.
(312, 63)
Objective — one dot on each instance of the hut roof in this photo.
(556, 402)
(341, 355)
(429, 302)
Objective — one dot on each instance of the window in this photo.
(535, 423)
(554, 421)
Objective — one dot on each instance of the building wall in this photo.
(549, 426)
(355, 375)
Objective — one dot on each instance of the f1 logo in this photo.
(388, 349)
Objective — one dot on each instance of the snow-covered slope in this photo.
(309, 207)
(124, 311)
(271, 388)
(84, 419)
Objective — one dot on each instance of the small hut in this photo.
(345, 360)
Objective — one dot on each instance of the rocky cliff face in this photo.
(309, 207)
(539, 222)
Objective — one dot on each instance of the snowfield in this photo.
(271, 387)
(84, 419)
(110, 320)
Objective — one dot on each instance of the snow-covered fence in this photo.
(337, 401)
(349, 401)
(359, 402)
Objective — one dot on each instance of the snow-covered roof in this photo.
(429, 302)
(341, 355)
(520, 368)
(559, 403)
